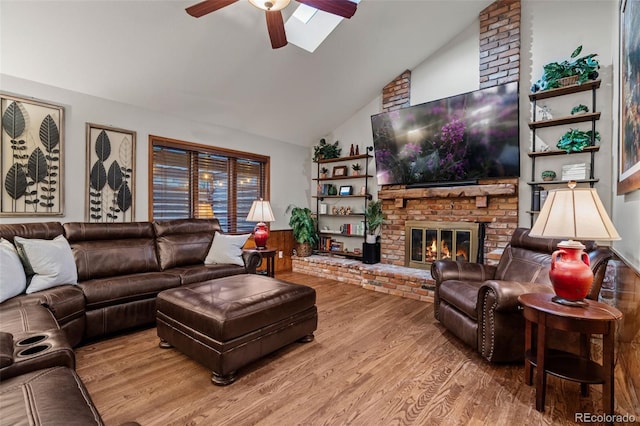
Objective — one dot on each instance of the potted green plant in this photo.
(579, 109)
(575, 140)
(303, 225)
(582, 69)
(356, 169)
(323, 172)
(548, 175)
(374, 217)
(325, 151)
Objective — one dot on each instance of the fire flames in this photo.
(445, 252)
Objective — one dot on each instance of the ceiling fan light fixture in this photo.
(270, 5)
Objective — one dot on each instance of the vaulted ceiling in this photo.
(220, 69)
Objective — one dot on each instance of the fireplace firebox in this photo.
(428, 241)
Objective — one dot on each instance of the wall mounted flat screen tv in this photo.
(455, 140)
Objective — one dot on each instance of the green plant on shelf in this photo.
(585, 68)
(578, 109)
(576, 140)
(326, 151)
(356, 168)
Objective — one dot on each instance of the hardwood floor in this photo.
(376, 360)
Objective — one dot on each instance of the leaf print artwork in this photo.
(31, 161)
(111, 156)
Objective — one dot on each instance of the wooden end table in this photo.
(595, 318)
(270, 255)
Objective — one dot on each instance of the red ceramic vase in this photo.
(570, 272)
(260, 235)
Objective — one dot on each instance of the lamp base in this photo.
(566, 302)
(260, 235)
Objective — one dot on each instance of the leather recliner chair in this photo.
(479, 303)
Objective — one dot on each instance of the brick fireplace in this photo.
(491, 204)
(428, 241)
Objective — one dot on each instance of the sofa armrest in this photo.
(252, 259)
(505, 293)
(444, 270)
(500, 320)
(6, 349)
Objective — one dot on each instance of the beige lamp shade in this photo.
(260, 212)
(205, 211)
(576, 214)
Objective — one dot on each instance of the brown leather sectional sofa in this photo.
(121, 269)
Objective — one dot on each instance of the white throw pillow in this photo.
(51, 261)
(13, 280)
(226, 249)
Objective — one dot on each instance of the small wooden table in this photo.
(270, 255)
(595, 318)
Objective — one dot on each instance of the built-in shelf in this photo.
(589, 116)
(344, 177)
(566, 90)
(339, 159)
(586, 149)
(560, 182)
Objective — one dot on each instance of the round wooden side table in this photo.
(595, 318)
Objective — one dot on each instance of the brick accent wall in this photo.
(395, 95)
(500, 43)
(500, 216)
(410, 283)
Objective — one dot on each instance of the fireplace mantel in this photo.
(400, 195)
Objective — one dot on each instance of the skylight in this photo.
(308, 27)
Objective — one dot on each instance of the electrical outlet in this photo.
(280, 254)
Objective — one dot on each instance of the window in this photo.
(189, 180)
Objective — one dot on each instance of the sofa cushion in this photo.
(49, 263)
(112, 249)
(184, 242)
(42, 230)
(519, 264)
(13, 280)
(461, 294)
(126, 288)
(53, 396)
(226, 249)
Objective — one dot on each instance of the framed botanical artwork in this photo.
(110, 187)
(629, 153)
(31, 157)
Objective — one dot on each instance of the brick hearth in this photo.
(389, 279)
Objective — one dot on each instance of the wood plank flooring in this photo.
(376, 360)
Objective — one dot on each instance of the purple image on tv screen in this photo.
(465, 137)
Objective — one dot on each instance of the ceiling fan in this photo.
(272, 8)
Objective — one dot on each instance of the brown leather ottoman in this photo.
(226, 323)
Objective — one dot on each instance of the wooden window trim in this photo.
(184, 145)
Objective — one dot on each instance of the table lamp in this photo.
(205, 211)
(574, 213)
(260, 212)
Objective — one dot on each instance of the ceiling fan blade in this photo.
(275, 26)
(344, 8)
(208, 6)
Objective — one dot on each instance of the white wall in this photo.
(290, 179)
(453, 69)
